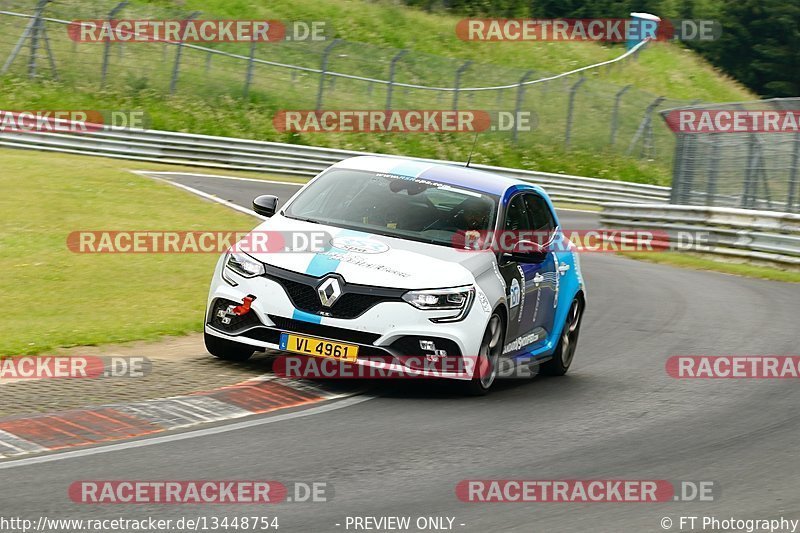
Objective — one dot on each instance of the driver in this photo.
(472, 219)
(473, 215)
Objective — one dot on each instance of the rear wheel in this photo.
(565, 350)
(487, 362)
(228, 350)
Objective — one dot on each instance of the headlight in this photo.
(457, 299)
(244, 265)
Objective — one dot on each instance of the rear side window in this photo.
(517, 215)
(539, 212)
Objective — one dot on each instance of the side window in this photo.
(517, 214)
(540, 214)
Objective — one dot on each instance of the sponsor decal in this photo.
(521, 342)
(360, 261)
(361, 246)
(514, 293)
(484, 301)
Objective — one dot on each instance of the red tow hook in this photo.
(243, 309)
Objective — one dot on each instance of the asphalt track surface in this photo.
(616, 415)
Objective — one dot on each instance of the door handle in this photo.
(563, 269)
(538, 278)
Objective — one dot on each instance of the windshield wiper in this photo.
(311, 220)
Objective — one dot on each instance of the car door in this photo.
(530, 287)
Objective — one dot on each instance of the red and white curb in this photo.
(108, 423)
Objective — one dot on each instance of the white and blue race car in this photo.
(406, 273)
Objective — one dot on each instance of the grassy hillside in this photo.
(79, 299)
(209, 96)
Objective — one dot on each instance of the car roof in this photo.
(450, 174)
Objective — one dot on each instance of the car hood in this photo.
(377, 260)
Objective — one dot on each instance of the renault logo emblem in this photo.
(329, 291)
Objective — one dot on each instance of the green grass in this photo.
(60, 298)
(699, 262)
(210, 101)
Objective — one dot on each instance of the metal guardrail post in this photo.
(615, 114)
(460, 71)
(392, 67)
(249, 77)
(324, 68)
(570, 108)
(107, 44)
(518, 103)
(177, 66)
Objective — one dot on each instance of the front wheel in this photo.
(486, 363)
(228, 350)
(565, 350)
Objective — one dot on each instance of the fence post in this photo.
(711, 190)
(793, 174)
(460, 71)
(392, 66)
(615, 114)
(570, 107)
(518, 103)
(249, 78)
(36, 30)
(324, 68)
(645, 128)
(107, 44)
(748, 198)
(177, 66)
(678, 168)
(17, 47)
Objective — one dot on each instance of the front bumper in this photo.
(387, 333)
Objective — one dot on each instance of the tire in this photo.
(228, 350)
(565, 349)
(488, 358)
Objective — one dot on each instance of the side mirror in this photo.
(265, 205)
(527, 252)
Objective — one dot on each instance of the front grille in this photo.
(354, 301)
(319, 330)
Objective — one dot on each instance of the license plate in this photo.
(318, 347)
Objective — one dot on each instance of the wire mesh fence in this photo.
(575, 112)
(749, 169)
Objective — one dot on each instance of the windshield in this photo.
(397, 206)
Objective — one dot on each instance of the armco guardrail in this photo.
(260, 156)
(757, 236)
